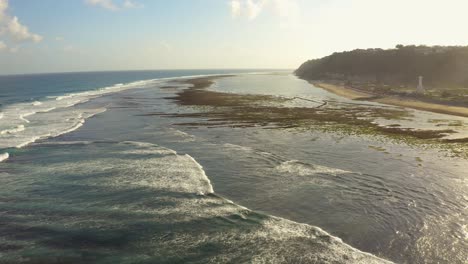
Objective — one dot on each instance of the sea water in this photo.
(131, 187)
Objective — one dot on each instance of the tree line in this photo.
(441, 66)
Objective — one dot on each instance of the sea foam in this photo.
(13, 130)
(25, 123)
(305, 169)
(166, 201)
(4, 156)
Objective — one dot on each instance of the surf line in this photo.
(4, 156)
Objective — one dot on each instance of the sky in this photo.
(96, 35)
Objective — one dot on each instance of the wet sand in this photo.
(341, 90)
(355, 94)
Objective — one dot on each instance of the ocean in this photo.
(109, 167)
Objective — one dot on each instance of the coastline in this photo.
(321, 246)
(197, 95)
(354, 94)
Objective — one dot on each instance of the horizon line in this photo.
(142, 70)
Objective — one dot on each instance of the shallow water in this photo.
(90, 195)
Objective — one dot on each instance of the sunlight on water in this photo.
(145, 184)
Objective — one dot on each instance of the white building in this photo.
(420, 88)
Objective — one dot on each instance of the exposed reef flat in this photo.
(249, 110)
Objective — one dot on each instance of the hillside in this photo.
(395, 71)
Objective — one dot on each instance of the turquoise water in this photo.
(129, 187)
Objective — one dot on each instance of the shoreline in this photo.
(355, 94)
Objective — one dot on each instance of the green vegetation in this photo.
(216, 109)
(395, 71)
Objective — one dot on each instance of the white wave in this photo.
(22, 117)
(265, 156)
(25, 115)
(4, 156)
(238, 147)
(175, 178)
(12, 131)
(203, 178)
(331, 249)
(60, 143)
(29, 141)
(185, 136)
(158, 167)
(46, 118)
(47, 124)
(304, 169)
(58, 98)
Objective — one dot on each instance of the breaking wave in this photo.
(24, 123)
(19, 128)
(305, 169)
(166, 202)
(4, 156)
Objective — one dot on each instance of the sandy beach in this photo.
(393, 100)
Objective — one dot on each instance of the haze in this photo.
(92, 35)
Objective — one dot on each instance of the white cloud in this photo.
(111, 5)
(131, 4)
(12, 29)
(235, 8)
(3, 8)
(248, 8)
(20, 32)
(4, 47)
(59, 38)
(107, 4)
(287, 10)
(254, 8)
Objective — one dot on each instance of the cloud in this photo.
(107, 4)
(20, 32)
(235, 8)
(248, 8)
(111, 5)
(59, 38)
(254, 8)
(287, 10)
(3, 8)
(4, 47)
(131, 4)
(12, 29)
